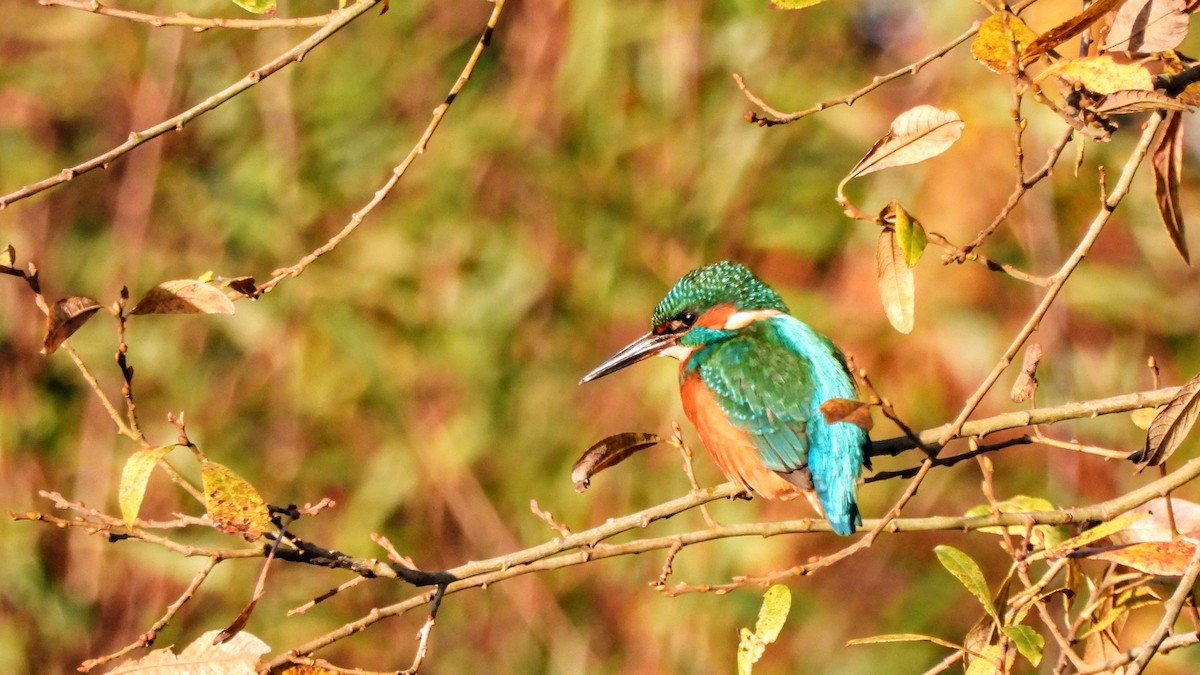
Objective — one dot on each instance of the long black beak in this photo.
(642, 348)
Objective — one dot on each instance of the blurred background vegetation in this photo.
(423, 375)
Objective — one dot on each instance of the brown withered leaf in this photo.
(65, 317)
(1171, 426)
(609, 452)
(234, 506)
(1069, 28)
(236, 657)
(1002, 38)
(1026, 385)
(1129, 101)
(1148, 26)
(847, 410)
(8, 256)
(895, 279)
(1102, 74)
(184, 296)
(914, 136)
(1166, 161)
(1161, 558)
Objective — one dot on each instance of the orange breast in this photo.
(731, 447)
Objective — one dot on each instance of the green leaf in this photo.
(134, 477)
(1029, 642)
(794, 4)
(256, 6)
(777, 602)
(234, 506)
(910, 235)
(968, 573)
(1043, 535)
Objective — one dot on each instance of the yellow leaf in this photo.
(794, 4)
(1002, 38)
(134, 477)
(234, 506)
(1101, 74)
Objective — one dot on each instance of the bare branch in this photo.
(196, 23)
(294, 55)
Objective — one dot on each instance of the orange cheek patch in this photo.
(731, 447)
(716, 317)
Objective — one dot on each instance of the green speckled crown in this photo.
(716, 284)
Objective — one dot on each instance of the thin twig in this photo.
(398, 172)
(146, 639)
(686, 451)
(294, 55)
(196, 23)
(775, 117)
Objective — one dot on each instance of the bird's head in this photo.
(708, 304)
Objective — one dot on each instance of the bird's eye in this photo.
(682, 322)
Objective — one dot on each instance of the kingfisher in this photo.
(752, 379)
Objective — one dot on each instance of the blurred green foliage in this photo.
(423, 375)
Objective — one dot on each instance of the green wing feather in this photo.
(766, 390)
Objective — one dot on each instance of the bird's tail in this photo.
(835, 474)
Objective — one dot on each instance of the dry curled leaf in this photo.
(914, 136)
(66, 316)
(1002, 38)
(233, 505)
(1148, 26)
(1170, 426)
(1166, 161)
(1069, 28)
(1100, 74)
(895, 279)
(847, 410)
(1130, 101)
(239, 656)
(1026, 385)
(609, 452)
(183, 296)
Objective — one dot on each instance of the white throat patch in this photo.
(742, 319)
(678, 352)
